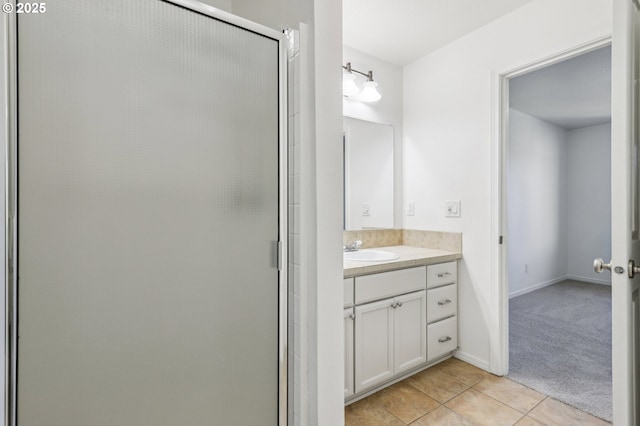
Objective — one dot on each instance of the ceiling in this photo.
(401, 31)
(570, 94)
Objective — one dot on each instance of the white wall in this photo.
(537, 203)
(589, 201)
(328, 207)
(386, 111)
(448, 117)
(559, 204)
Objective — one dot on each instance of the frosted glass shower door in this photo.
(148, 211)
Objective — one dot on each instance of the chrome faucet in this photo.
(354, 246)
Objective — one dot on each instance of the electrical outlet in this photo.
(526, 268)
(366, 210)
(411, 208)
(452, 208)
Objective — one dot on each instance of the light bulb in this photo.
(369, 92)
(349, 86)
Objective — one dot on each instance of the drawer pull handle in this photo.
(444, 339)
(443, 274)
(395, 305)
(399, 304)
(444, 302)
(352, 316)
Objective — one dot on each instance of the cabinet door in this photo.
(348, 352)
(374, 344)
(410, 331)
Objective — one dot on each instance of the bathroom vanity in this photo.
(400, 317)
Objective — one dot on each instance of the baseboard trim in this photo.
(589, 280)
(470, 359)
(537, 286)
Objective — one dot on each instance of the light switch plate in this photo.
(366, 210)
(411, 208)
(452, 208)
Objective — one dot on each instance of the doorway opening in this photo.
(556, 217)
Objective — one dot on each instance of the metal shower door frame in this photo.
(10, 136)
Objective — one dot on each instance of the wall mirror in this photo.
(368, 174)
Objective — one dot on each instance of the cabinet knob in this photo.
(399, 303)
(444, 339)
(444, 302)
(352, 316)
(394, 305)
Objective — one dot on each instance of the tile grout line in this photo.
(488, 396)
(441, 403)
(385, 409)
(543, 399)
(534, 407)
(568, 405)
(507, 405)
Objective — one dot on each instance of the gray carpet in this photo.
(560, 344)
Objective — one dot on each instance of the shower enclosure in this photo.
(146, 217)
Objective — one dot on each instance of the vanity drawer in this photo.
(389, 284)
(442, 274)
(442, 338)
(442, 302)
(348, 291)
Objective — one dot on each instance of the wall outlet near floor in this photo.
(366, 210)
(452, 208)
(526, 268)
(411, 208)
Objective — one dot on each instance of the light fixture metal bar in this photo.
(369, 74)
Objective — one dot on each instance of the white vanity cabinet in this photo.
(390, 330)
(397, 322)
(442, 309)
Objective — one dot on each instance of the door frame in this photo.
(499, 329)
(10, 120)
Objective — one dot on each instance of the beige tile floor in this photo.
(455, 393)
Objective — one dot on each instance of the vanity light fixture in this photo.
(350, 89)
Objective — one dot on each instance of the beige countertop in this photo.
(409, 257)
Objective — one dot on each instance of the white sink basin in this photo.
(370, 255)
